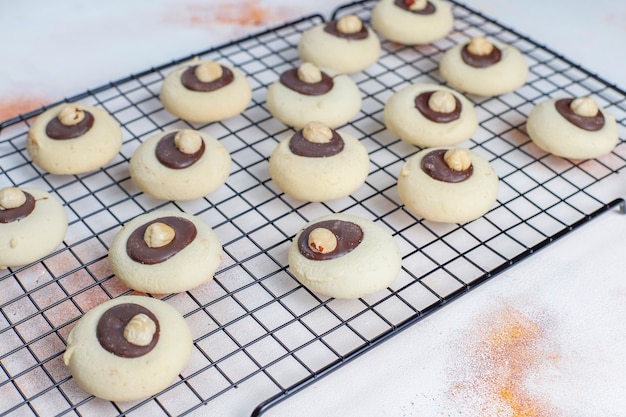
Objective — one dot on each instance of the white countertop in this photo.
(566, 305)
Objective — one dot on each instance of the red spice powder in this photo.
(13, 107)
(502, 353)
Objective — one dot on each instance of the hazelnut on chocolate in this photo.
(585, 107)
(349, 24)
(442, 102)
(480, 47)
(140, 330)
(71, 115)
(309, 73)
(208, 72)
(158, 235)
(317, 132)
(416, 4)
(322, 240)
(11, 198)
(458, 159)
(188, 141)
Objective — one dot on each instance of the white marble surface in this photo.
(568, 300)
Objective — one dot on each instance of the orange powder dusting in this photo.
(13, 107)
(248, 13)
(504, 353)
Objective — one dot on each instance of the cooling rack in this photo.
(259, 336)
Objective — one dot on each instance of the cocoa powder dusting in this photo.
(502, 354)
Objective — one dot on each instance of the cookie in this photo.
(32, 224)
(204, 92)
(128, 348)
(449, 185)
(319, 164)
(345, 45)
(429, 115)
(165, 252)
(73, 139)
(308, 93)
(412, 22)
(484, 68)
(180, 165)
(344, 256)
(572, 128)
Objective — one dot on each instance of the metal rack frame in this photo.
(258, 334)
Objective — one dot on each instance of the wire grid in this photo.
(257, 332)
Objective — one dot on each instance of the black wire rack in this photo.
(259, 336)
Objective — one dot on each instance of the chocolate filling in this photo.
(481, 61)
(591, 123)
(406, 4)
(436, 167)
(421, 104)
(331, 27)
(290, 80)
(139, 251)
(191, 82)
(169, 155)
(18, 213)
(349, 235)
(110, 330)
(302, 147)
(57, 130)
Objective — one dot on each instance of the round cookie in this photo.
(128, 348)
(319, 164)
(572, 128)
(180, 165)
(165, 252)
(429, 115)
(204, 92)
(448, 185)
(307, 94)
(32, 224)
(484, 68)
(345, 45)
(73, 139)
(411, 22)
(344, 256)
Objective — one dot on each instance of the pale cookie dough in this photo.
(412, 22)
(429, 115)
(32, 224)
(345, 45)
(319, 164)
(331, 98)
(135, 356)
(504, 76)
(180, 165)
(203, 92)
(555, 134)
(329, 257)
(166, 257)
(439, 200)
(73, 139)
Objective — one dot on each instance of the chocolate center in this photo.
(110, 330)
(191, 81)
(421, 104)
(57, 130)
(406, 4)
(18, 213)
(139, 251)
(481, 61)
(169, 155)
(331, 27)
(435, 166)
(290, 80)
(302, 147)
(349, 235)
(590, 123)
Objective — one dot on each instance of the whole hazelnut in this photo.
(584, 106)
(442, 102)
(480, 47)
(11, 198)
(71, 115)
(158, 234)
(208, 72)
(317, 132)
(309, 73)
(349, 24)
(416, 4)
(458, 159)
(140, 330)
(188, 141)
(322, 240)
